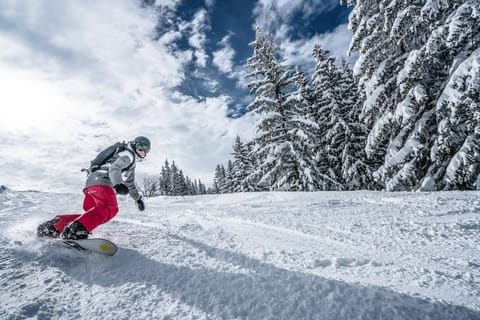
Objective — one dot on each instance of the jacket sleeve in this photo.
(123, 160)
(130, 183)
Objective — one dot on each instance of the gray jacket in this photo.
(113, 173)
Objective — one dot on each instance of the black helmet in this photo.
(141, 144)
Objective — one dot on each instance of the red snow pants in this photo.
(100, 205)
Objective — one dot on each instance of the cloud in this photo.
(274, 15)
(167, 3)
(77, 76)
(94, 41)
(204, 132)
(210, 3)
(299, 52)
(197, 39)
(223, 58)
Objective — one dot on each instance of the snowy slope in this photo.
(327, 255)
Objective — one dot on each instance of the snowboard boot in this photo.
(74, 231)
(47, 229)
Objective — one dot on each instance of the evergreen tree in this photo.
(194, 190)
(455, 154)
(219, 179)
(242, 166)
(455, 151)
(271, 83)
(252, 180)
(302, 138)
(355, 170)
(174, 180)
(229, 177)
(408, 52)
(325, 79)
(202, 189)
(384, 32)
(182, 185)
(164, 183)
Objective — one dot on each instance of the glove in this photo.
(140, 204)
(121, 189)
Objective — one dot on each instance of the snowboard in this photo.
(96, 245)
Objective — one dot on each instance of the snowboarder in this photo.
(114, 174)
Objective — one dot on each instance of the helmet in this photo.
(141, 144)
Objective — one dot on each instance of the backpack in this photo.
(107, 154)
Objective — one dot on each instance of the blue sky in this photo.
(77, 76)
(227, 28)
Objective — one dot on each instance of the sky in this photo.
(77, 76)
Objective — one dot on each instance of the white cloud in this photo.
(275, 17)
(300, 51)
(240, 74)
(91, 39)
(272, 15)
(170, 37)
(167, 3)
(197, 39)
(223, 58)
(210, 3)
(79, 75)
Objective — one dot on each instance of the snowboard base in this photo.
(97, 245)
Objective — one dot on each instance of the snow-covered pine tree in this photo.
(182, 185)
(192, 186)
(251, 182)
(270, 82)
(174, 180)
(407, 52)
(202, 189)
(242, 166)
(418, 85)
(219, 179)
(455, 152)
(216, 177)
(355, 171)
(384, 33)
(302, 135)
(328, 153)
(229, 177)
(376, 63)
(164, 181)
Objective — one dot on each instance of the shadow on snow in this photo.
(266, 292)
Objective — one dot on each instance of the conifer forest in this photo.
(404, 117)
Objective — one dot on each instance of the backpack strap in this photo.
(125, 148)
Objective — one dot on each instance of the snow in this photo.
(318, 255)
(408, 67)
(468, 68)
(433, 7)
(428, 184)
(378, 131)
(460, 159)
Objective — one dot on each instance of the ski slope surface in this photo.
(322, 255)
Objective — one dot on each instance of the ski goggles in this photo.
(142, 147)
